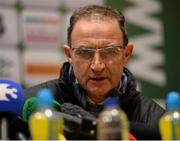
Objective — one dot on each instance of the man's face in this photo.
(100, 73)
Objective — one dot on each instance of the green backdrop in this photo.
(169, 16)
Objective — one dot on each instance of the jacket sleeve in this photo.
(148, 111)
(144, 115)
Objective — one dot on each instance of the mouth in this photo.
(98, 78)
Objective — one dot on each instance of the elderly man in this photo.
(98, 51)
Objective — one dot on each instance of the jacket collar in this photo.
(68, 77)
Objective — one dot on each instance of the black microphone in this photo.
(87, 122)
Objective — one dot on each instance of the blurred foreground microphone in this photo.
(11, 100)
(82, 124)
(30, 106)
(11, 97)
(78, 123)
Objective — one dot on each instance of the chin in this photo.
(99, 92)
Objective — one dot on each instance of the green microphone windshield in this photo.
(30, 106)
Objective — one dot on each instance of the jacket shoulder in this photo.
(32, 91)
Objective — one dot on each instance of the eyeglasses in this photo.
(106, 53)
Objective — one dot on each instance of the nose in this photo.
(97, 64)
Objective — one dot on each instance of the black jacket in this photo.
(139, 109)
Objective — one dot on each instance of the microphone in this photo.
(78, 123)
(11, 101)
(30, 106)
(78, 128)
(76, 110)
(88, 125)
(11, 97)
(85, 128)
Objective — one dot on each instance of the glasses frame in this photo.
(99, 50)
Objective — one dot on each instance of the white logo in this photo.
(4, 90)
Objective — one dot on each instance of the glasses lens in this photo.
(84, 53)
(109, 52)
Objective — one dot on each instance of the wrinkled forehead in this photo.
(96, 31)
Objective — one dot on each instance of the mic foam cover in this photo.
(76, 110)
(30, 106)
(11, 97)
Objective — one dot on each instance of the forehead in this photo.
(96, 28)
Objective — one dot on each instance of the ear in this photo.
(68, 53)
(128, 52)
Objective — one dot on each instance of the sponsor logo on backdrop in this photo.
(42, 29)
(5, 90)
(43, 66)
(39, 69)
(43, 3)
(149, 57)
(8, 27)
(2, 26)
(9, 64)
(42, 35)
(38, 72)
(8, 2)
(5, 63)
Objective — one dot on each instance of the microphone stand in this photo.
(4, 129)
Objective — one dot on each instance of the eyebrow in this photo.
(84, 45)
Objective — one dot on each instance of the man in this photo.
(98, 51)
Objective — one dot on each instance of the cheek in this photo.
(80, 70)
(115, 69)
